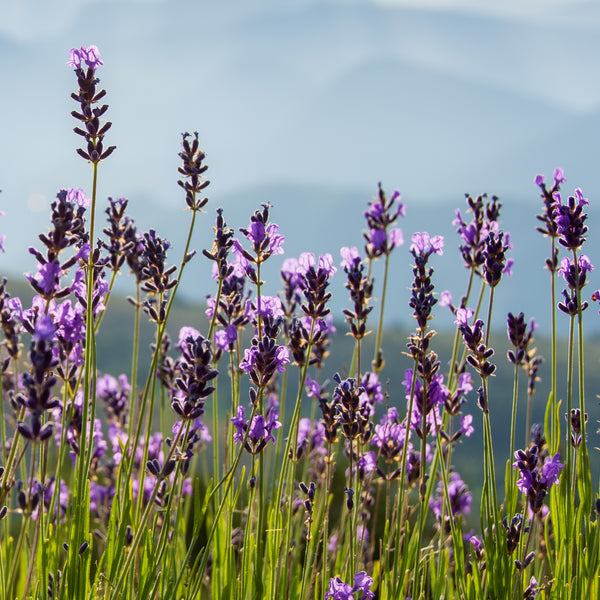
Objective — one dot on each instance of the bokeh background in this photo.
(308, 104)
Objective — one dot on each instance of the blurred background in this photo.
(308, 104)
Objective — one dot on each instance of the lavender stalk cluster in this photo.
(422, 299)
(360, 287)
(547, 217)
(122, 244)
(87, 96)
(192, 169)
(352, 414)
(537, 475)
(266, 242)
(37, 395)
(307, 280)
(230, 309)
(475, 233)
(382, 214)
(68, 231)
(193, 374)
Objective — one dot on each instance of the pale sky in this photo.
(435, 98)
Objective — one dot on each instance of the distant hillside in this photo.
(322, 219)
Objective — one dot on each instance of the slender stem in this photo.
(555, 426)
(513, 425)
(376, 369)
(453, 366)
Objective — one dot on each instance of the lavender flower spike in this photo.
(338, 590)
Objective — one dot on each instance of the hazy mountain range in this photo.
(307, 105)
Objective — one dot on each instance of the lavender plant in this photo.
(343, 491)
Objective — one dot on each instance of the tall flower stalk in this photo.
(292, 487)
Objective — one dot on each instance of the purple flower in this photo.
(570, 219)
(464, 384)
(211, 304)
(566, 265)
(115, 394)
(423, 244)
(551, 470)
(535, 480)
(275, 239)
(463, 315)
(380, 216)
(395, 238)
(338, 590)
(373, 391)
(390, 435)
(304, 427)
(250, 356)
(596, 297)
(224, 338)
(258, 233)
(89, 55)
(282, 358)
(426, 401)
(475, 233)
(47, 277)
(326, 264)
(44, 329)
(367, 462)
(466, 426)
(70, 322)
(445, 298)
(74, 58)
(306, 261)
(292, 274)
(185, 333)
(460, 497)
(77, 196)
(378, 238)
(349, 257)
(269, 306)
(575, 276)
(262, 359)
(313, 389)
(260, 430)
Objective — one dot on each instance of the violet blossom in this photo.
(338, 590)
(459, 494)
(256, 433)
(536, 477)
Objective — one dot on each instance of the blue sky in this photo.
(432, 97)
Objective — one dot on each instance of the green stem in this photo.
(376, 369)
(513, 425)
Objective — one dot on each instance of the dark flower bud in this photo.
(22, 500)
(154, 467)
(83, 548)
(350, 498)
(169, 468)
(128, 535)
